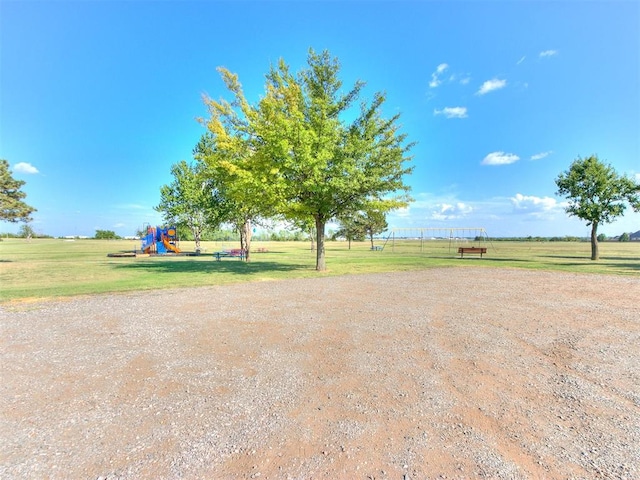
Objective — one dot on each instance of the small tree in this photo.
(374, 222)
(597, 194)
(222, 155)
(365, 223)
(106, 235)
(191, 201)
(12, 208)
(624, 237)
(26, 231)
(351, 228)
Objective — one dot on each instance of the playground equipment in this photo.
(160, 240)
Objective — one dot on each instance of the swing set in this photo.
(437, 239)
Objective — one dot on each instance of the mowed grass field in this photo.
(49, 268)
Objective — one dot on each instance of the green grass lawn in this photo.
(46, 268)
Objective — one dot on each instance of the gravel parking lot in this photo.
(462, 372)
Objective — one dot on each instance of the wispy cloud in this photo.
(548, 53)
(24, 167)
(465, 80)
(491, 85)
(500, 158)
(452, 112)
(435, 76)
(521, 60)
(541, 155)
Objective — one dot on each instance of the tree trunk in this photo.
(245, 238)
(371, 237)
(197, 233)
(320, 260)
(594, 241)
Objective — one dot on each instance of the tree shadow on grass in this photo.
(625, 266)
(493, 259)
(580, 261)
(230, 266)
(603, 258)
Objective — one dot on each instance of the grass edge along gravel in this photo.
(52, 268)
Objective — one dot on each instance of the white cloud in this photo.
(435, 76)
(446, 211)
(637, 177)
(532, 205)
(500, 158)
(465, 80)
(24, 167)
(541, 155)
(491, 85)
(521, 60)
(452, 112)
(548, 53)
(403, 212)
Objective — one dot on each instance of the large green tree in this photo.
(12, 207)
(597, 194)
(191, 200)
(307, 148)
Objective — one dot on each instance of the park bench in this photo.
(376, 248)
(234, 252)
(474, 250)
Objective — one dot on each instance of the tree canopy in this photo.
(295, 153)
(597, 194)
(12, 207)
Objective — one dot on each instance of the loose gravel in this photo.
(443, 373)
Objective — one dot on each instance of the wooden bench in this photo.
(475, 250)
(376, 248)
(235, 252)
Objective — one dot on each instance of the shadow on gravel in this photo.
(230, 266)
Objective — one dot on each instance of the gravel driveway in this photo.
(445, 373)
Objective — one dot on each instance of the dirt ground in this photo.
(445, 373)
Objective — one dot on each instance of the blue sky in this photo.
(99, 98)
